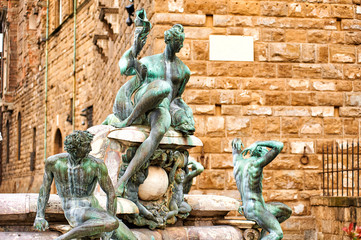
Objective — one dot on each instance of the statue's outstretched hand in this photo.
(250, 149)
(41, 224)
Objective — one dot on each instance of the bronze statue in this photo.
(248, 173)
(76, 174)
(157, 88)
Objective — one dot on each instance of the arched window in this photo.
(33, 153)
(7, 141)
(58, 142)
(19, 135)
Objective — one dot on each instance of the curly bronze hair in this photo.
(176, 33)
(78, 141)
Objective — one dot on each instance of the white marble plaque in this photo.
(231, 48)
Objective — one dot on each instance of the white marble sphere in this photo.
(155, 185)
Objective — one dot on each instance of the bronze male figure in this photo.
(76, 174)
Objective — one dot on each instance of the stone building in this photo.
(300, 84)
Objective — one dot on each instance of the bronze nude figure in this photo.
(76, 174)
(248, 173)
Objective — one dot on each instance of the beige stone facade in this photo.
(303, 87)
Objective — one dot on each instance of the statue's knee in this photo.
(111, 224)
(164, 88)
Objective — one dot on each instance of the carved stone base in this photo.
(157, 187)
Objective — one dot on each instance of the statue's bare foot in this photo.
(121, 124)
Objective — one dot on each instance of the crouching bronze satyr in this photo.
(248, 173)
(76, 174)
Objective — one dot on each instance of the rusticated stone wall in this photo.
(303, 87)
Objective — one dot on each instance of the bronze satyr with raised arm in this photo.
(248, 173)
(76, 174)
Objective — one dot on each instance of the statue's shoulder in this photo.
(57, 157)
(151, 60)
(96, 161)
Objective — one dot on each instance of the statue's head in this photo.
(78, 144)
(259, 152)
(179, 177)
(175, 37)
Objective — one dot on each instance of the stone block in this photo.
(200, 50)
(197, 96)
(201, 82)
(333, 125)
(353, 38)
(312, 127)
(322, 111)
(203, 109)
(351, 126)
(215, 126)
(330, 99)
(342, 11)
(298, 147)
(265, 70)
(222, 97)
(220, 161)
(291, 111)
(284, 70)
(198, 68)
(313, 180)
(184, 19)
(264, 84)
(353, 99)
(212, 179)
(351, 24)
(272, 35)
(284, 52)
(227, 83)
(343, 54)
(246, 97)
(322, 53)
(230, 69)
(261, 52)
(259, 126)
(350, 112)
(212, 6)
(324, 85)
(295, 84)
(316, 36)
(332, 71)
(235, 124)
(290, 125)
(231, 181)
(290, 179)
(231, 109)
(296, 36)
(277, 98)
(279, 9)
(303, 99)
(307, 71)
(212, 145)
(241, 7)
(255, 110)
(273, 125)
(338, 37)
(352, 71)
(308, 53)
(223, 20)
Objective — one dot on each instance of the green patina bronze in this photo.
(248, 173)
(157, 87)
(76, 174)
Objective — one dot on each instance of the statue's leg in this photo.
(91, 221)
(256, 211)
(160, 121)
(280, 210)
(152, 97)
(123, 232)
